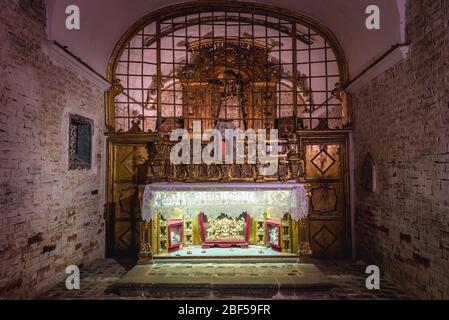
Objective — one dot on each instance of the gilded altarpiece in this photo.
(230, 80)
(323, 169)
(228, 65)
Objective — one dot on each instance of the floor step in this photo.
(228, 260)
(221, 280)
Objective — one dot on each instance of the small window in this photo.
(80, 142)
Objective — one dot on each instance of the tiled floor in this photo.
(349, 279)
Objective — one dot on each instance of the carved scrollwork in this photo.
(159, 168)
(304, 242)
(146, 253)
(115, 89)
(340, 94)
(163, 171)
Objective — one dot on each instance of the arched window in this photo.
(227, 65)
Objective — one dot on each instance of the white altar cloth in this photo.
(190, 199)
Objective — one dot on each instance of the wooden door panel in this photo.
(123, 217)
(126, 157)
(327, 238)
(126, 238)
(326, 177)
(125, 200)
(327, 200)
(323, 161)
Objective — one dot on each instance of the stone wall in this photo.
(402, 120)
(50, 217)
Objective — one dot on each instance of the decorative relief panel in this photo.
(327, 200)
(327, 238)
(126, 199)
(127, 159)
(323, 161)
(324, 238)
(126, 237)
(324, 200)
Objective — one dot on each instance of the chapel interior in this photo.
(354, 119)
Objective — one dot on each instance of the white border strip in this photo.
(397, 55)
(61, 58)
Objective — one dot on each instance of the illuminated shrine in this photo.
(224, 215)
(228, 69)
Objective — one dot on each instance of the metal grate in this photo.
(227, 69)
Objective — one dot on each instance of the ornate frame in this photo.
(170, 225)
(74, 162)
(274, 224)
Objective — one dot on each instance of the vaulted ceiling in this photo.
(103, 22)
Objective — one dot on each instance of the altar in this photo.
(187, 216)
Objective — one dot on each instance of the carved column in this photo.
(145, 250)
(115, 89)
(304, 241)
(295, 236)
(286, 234)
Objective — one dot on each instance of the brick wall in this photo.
(50, 217)
(402, 119)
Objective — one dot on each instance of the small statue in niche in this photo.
(340, 94)
(369, 174)
(274, 235)
(135, 122)
(175, 237)
(135, 126)
(151, 149)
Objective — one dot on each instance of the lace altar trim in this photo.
(170, 200)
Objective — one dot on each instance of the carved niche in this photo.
(369, 178)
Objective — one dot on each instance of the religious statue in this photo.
(274, 235)
(175, 237)
(135, 126)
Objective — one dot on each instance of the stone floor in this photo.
(348, 277)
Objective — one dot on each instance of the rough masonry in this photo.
(402, 121)
(50, 217)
